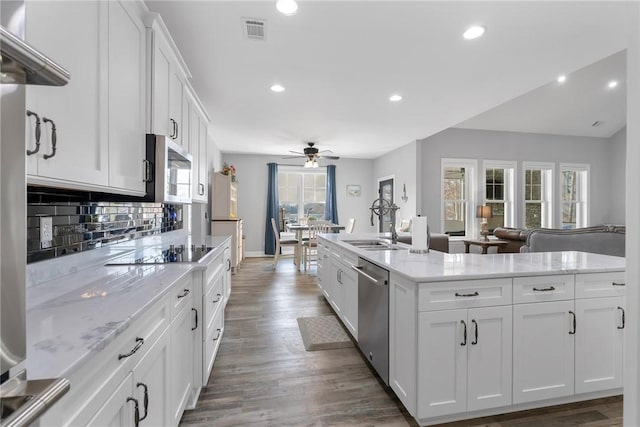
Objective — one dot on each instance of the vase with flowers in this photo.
(228, 169)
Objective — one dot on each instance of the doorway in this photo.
(385, 191)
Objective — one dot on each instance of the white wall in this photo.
(252, 193)
(493, 145)
(617, 162)
(402, 165)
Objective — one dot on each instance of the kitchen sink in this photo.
(372, 245)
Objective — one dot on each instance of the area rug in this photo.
(322, 333)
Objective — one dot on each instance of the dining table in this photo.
(299, 229)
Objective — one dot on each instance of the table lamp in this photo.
(484, 212)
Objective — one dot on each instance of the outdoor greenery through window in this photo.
(455, 203)
(533, 198)
(499, 177)
(573, 196)
(302, 194)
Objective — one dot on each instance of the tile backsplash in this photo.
(84, 221)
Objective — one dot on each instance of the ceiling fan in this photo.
(311, 154)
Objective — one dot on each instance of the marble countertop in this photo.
(85, 306)
(438, 266)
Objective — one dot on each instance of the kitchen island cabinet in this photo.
(475, 335)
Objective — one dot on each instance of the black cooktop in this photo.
(164, 256)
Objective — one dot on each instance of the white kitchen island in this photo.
(473, 335)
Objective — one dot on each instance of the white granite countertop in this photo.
(84, 305)
(438, 266)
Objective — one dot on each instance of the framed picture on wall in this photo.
(353, 190)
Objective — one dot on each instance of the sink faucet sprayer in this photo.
(382, 207)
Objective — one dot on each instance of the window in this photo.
(538, 195)
(574, 190)
(301, 194)
(499, 193)
(458, 197)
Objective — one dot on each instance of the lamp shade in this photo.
(483, 212)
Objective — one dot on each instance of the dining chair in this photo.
(350, 225)
(282, 243)
(310, 246)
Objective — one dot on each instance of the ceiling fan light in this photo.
(309, 164)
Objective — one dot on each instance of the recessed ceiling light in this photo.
(278, 88)
(287, 7)
(395, 98)
(612, 84)
(562, 78)
(473, 32)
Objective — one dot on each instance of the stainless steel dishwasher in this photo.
(373, 316)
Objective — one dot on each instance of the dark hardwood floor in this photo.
(264, 377)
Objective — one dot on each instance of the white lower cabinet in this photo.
(339, 283)
(119, 409)
(349, 282)
(464, 361)
(543, 350)
(599, 344)
(181, 357)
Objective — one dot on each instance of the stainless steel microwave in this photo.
(169, 171)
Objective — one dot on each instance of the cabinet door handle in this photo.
(136, 413)
(184, 293)
(147, 171)
(54, 138)
(550, 288)
(139, 342)
(623, 320)
(463, 343)
(219, 296)
(573, 332)
(38, 133)
(228, 264)
(177, 129)
(475, 339)
(475, 294)
(196, 312)
(218, 336)
(173, 129)
(201, 186)
(145, 400)
(618, 284)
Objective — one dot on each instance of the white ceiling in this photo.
(341, 60)
(570, 108)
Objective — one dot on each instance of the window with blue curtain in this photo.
(272, 209)
(331, 206)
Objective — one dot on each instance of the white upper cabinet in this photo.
(126, 96)
(92, 129)
(72, 34)
(197, 142)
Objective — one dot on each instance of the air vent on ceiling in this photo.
(254, 29)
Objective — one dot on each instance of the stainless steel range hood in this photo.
(22, 64)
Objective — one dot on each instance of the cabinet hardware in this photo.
(38, 133)
(219, 296)
(375, 281)
(147, 171)
(177, 129)
(139, 342)
(463, 343)
(196, 312)
(550, 288)
(136, 413)
(54, 137)
(228, 264)
(199, 187)
(618, 284)
(173, 129)
(145, 401)
(574, 323)
(475, 340)
(623, 320)
(219, 333)
(475, 294)
(184, 293)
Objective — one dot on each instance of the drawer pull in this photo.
(145, 400)
(623, 320)
(38, 133)
(219, 296)
(218, 336)
(475, 294)
(574, 323)
(54, 138)
(196, 311)
(463, 343)
(550, 288)
(475, 340)
(139, 342)
(228, 264)
(618, 284)
(136, 413)
(184, 293)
